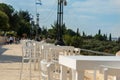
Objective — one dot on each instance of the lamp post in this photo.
(32, 25)
(60, 5)
(37, 26)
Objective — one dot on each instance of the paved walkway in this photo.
(10, 63)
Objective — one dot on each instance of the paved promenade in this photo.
(10, 63)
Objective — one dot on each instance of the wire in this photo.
(51, 13)
(48, 17)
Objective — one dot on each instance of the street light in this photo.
(37, 2)
(37, 26)
(60, 5)
(32, 25)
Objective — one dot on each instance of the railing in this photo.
(95, 53)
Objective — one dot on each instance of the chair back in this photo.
(118, 53)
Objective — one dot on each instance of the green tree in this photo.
(78, 33)
(105, 37)
(67, 39)
(110, 37)
(53, 31)
(9, 11)
(70, 32)
(44, 32)
(99, 32)
(4, 25)
(25, 26)
(84, 34)
(77, 41)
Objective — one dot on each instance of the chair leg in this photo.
(73, 74)
(105, 75)
(95, 71)
(35, 64)
(21, 71)
(70, 74)
(39, 68)
(117, 77)
(30, 69)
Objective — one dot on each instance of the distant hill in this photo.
(114, 39)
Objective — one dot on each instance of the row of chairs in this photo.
(45, 55)
(52, 57)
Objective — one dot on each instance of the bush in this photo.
(76, 41)
(67, 39)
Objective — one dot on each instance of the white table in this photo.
(80, 63)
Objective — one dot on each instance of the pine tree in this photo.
(110, 37)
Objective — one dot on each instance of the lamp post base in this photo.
(59, 42)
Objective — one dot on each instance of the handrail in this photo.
(97, 52)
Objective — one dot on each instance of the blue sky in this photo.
(87, 15)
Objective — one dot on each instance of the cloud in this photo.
(97, 6)
(49, 2)
(0, 0)
(86, 14)
(116, 2)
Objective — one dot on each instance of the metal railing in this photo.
(95, 53)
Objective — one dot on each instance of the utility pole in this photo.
(37, 25)
(32, 25)
(37, 2)
(60, 5)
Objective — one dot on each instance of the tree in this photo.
(110, 37)
(105, 37)
(70, 32)
(15, 20)
(44, 32)
(24, 29)
(99, 37)
(53, 32)
(76, 41)
(9, 11)
(67, 39)
(99, 32)
(84, 35)
(25, 26)
(4, 25)
(119, 39)
(78, 33)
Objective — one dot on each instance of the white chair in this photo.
(117, 53)
(47, 70)
(112, 71)
(46, 53)
(28, 51)
(68, 50)
(77, 51)
(37, 54)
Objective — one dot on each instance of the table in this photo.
(80, 63)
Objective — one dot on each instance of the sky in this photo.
(87, 15)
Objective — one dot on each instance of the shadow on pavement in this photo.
(2, 50)
(10, 59)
